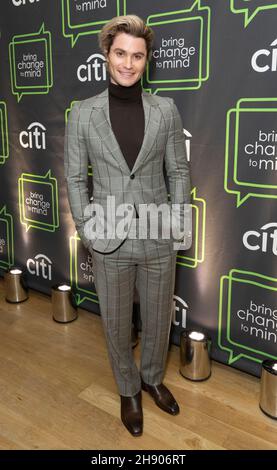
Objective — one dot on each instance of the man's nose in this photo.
(128, 62)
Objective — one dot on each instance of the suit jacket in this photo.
(89, 138)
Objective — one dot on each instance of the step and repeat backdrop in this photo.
(218, 60)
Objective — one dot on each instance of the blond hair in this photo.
(130, 24)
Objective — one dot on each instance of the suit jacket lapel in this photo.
(102, 125)
(153, 118)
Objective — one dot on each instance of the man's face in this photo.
(126, 59)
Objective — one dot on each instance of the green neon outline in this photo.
(4, 132)
(248, 18)
(196, 5)
(87, 24)
(66, 18)
(236, 111)
(242, 183)
(25, 217)
(232, 357)
(67, 111)
(192, 262)
(17, 40)
(8, 220)
(182, 80)
(15, 76)
(73, 262)
(30, 178)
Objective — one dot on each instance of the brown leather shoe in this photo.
(162, 397)
(131, 414)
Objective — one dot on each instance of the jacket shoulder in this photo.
(93, 101)
(162, 101)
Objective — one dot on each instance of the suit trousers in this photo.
(150, 266)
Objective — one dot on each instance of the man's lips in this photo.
(126, 74)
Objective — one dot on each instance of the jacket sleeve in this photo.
(178, 172)
(76, 170)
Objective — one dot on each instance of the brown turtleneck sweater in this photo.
(127, 119)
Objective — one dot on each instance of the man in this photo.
(128, 136)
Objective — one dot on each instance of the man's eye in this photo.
(119, 53)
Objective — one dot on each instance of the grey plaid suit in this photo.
(120, 265)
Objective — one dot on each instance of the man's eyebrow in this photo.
(122, 50)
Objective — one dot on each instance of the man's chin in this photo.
(126, 81)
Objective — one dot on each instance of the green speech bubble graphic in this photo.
(196, 253)
(181, 62)
(81, 18)
(250, 166)
(248, 328)
(6, 239)
(38, 201)
(30, 57)
(4, 135)
(250, 8)
(81, 272)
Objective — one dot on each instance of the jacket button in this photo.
(132, 177)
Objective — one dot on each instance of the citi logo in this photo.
(41, 265)
(93, 69)
(264, 240)
(179, 312)
(264, 60)
(18, 3)
(33, 137)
